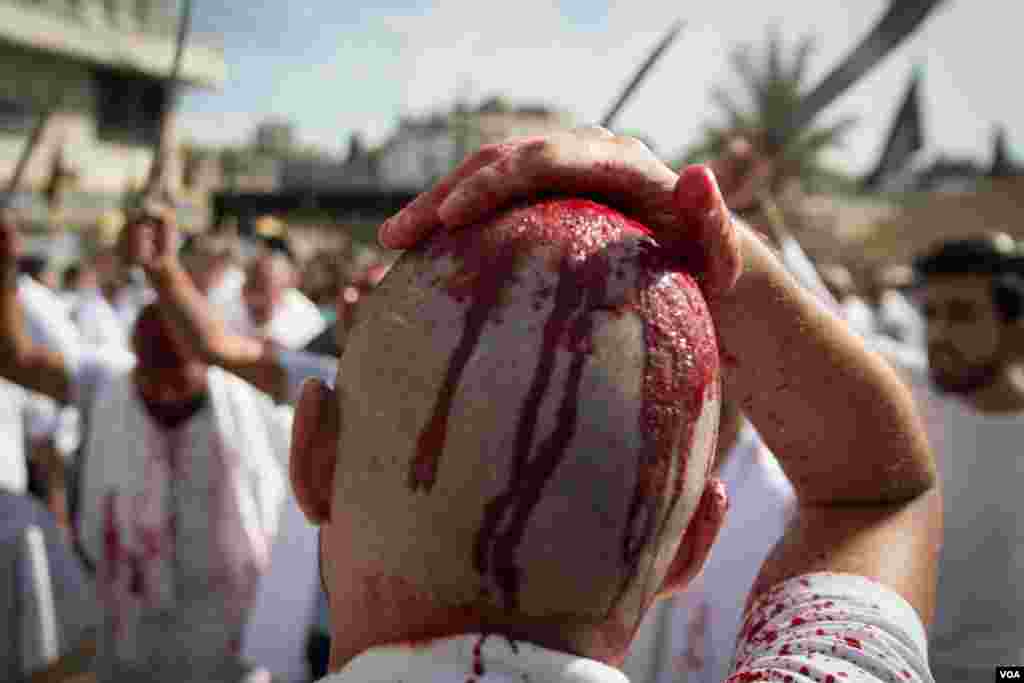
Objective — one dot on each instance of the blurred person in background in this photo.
(285, 603)
(972, 294)
(213, 263)
(270, 306)
(181, 490)
(77, 278)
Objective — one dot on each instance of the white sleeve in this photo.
(93, 367)
(835, 628)
(299, 365)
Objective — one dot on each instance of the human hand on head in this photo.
(685, 211)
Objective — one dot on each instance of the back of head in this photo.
(528, 417)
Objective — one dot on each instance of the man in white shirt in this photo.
(182, 485)
(476, 477)
(271, 307)
(973, 297)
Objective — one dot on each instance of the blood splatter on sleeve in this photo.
(831, 628)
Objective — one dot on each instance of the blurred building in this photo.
(424, 149)
(100, 67)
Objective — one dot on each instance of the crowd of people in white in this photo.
(153, 401)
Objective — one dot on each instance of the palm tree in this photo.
(772, 86)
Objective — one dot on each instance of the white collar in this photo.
(473, 657)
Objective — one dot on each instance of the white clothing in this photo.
(473, 657)
(33, 637)
(228, 290)
(98, 321)
(181, 531)
(285, 604)
(691, 637)
(48, 322)
(812, 628)
(13, 464)
(860, 316)
(979, 618)
(900, 319)
(832, 627)
(294, 324)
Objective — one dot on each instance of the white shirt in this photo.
(812, 628)
(473, 657)
(98, 321)
(13, 466)
(832, 627)
(295, 323)
(692, 636)
(979, 619)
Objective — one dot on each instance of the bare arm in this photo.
(250, 358)
(152, 244)
(819, 398)
(843, 424)
(22, 361)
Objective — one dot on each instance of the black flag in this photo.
(906, 137)
(900, 20)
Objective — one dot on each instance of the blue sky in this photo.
(334, 67)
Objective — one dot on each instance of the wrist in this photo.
(163, 271)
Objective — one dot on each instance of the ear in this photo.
(700, 535)
(314, 450)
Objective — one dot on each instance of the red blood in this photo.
(771, 636)
(478, 664)
(853, 642)
(906, 674)
(788, 679)
(830, 679)
(820, 632)
(797, 621)
(805, 671)
(682, 355)
(784, 650)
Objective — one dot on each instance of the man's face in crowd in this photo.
(265, 284)
(966, 333)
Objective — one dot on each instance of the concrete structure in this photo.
(422, 150)
(100, 66)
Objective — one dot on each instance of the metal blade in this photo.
(641, 73)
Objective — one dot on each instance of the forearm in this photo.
(250, 358)
(22, 361)
(838, 418)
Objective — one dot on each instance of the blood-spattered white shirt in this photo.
(824, 628)
(832, 628)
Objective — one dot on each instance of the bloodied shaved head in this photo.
(528, 415)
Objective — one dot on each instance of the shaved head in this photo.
(528, 413)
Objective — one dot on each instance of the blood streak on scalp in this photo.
(680, 367)
(489, 274)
